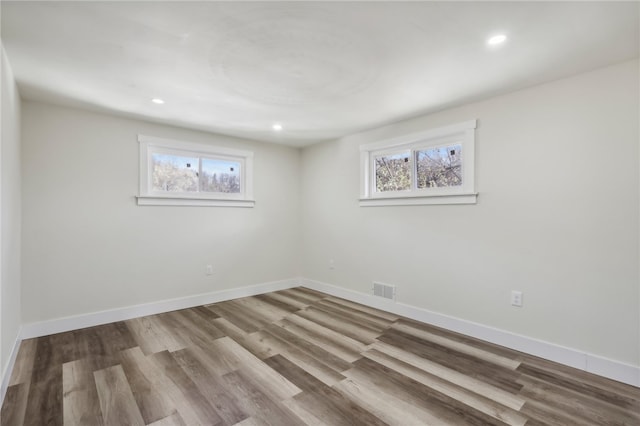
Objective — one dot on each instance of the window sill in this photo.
(419, 200)
(197, 202)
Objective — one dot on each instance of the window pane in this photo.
(439, 167)
(173, 173)
(220, 176)
(393, 172)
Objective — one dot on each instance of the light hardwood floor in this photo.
(297, 357)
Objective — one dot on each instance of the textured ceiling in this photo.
(322, 69)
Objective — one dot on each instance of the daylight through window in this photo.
(181, 173)
(432, 167)
(393, 172)
(439, 167)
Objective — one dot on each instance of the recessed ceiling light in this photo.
(157, 101)
(277, 127)
(497, 39)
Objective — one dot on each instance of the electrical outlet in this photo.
(332, 264)
(516, 298)
(209, 270)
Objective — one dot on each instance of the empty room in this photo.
(320, 213)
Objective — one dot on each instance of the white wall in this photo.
(10, 220)
(88, 247)
(557, 218)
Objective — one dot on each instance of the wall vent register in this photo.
(384, 290)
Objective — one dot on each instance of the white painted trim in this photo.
(421, 136)
(147, 197)
(75, 322)
(613, 369)
(6, 374)
(595, 364)
(60, 325)
(197, 148)
(198, 202)
(461, 133)
(576, 358)
(419, 201)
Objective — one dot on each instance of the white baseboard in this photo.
(6, 374)
(613, 369)
(595, 364)
(568, 356)
(75, 322)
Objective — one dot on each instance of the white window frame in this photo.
(150, 145)
(460, 134)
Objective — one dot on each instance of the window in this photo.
(439, 167)
(182, 173)
(431, 167)
(393, 172)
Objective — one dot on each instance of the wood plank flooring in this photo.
(297, 357)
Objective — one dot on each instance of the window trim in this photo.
(461, 133)
(147, 197)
